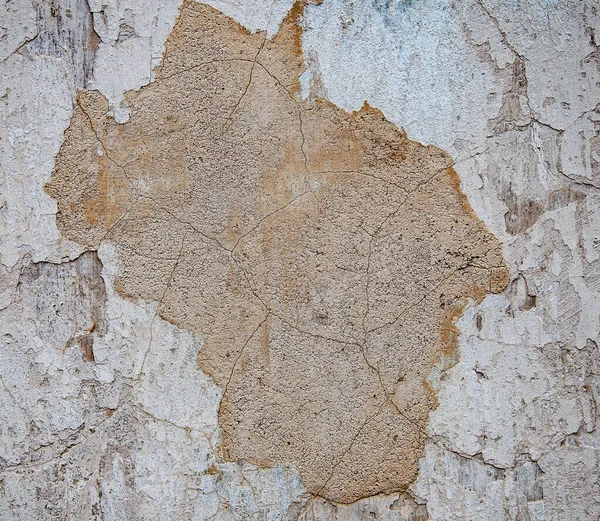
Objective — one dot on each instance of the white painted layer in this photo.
(515, 435)
(525, 385)
(36, 104)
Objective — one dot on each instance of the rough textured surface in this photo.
(312, 262)
(97, 415)
(509, 90)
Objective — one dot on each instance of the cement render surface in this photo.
(128, 428)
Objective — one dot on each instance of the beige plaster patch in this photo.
(322, 256)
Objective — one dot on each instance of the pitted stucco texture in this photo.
(301, 243)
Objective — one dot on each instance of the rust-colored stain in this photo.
(322, 256)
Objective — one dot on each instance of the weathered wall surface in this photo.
(232, 290)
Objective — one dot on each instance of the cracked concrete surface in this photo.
(127, 426)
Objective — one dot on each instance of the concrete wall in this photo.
(339, 261)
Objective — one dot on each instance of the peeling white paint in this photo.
(17, 26)
(515, 435)
(36, 108)
(525, 386)
(132, 35)
(258, 15)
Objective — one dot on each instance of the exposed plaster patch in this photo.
(304, 244)
(133, 34)
(557, 256)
